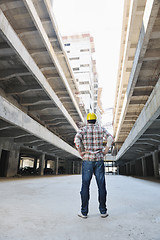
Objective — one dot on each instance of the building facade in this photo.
(80, 50)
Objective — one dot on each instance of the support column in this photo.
(0, 151)
(133, 169)
(13, 161)
(35, 163)
(80, 170)
(41, 164)
(155, 163)
(46, 163)
(144, 168)
(73, 167)
(118, 170)
(78, 167)
(127, 170)
(57, 163)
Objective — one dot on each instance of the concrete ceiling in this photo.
(35, 75)
(142, 88)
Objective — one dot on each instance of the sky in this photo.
(103, 20)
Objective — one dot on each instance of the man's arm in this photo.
(110, 141)
(106, 150)
(79, 144)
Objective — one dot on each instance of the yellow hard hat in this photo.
(91, 116)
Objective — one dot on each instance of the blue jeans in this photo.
(88, 169)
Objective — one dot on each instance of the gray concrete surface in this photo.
(46, 208)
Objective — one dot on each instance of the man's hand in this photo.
(81, 153)
(106, 150)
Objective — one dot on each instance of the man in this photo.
(89, 142)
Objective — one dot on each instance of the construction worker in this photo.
(89, 142)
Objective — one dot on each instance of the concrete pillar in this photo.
(41, 164)
(112, 167)
(19, 162)
(13, 163)
(144, 168)
(155, 163)
(133, 170)
(57, 163)
(0, 151)
(79, 167)
(118, 170)
(35, 163)
(73, 171)
(138, 168)
(127, 169)
(149, 165)
(46, 163)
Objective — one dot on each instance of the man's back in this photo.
(91, 137)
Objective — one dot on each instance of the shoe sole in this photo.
(79, 215)
(105, 216)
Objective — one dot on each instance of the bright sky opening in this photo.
(103, 20)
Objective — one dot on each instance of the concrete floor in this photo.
(46, 209)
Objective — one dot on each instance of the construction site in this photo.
(41, 111)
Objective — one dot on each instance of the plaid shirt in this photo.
(90, 139)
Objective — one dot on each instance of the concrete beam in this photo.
(13, 72)
(152, 55)
(15, 116)
(50, 117)
(15, 42)
(8, 1)
(28, 138)
(11, 133)
(27, 31)
(41, 107)
(26, 101)
(23, 89)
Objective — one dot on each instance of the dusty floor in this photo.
(46, 209)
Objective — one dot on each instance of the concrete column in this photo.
(46, 163)
(112, 167)
(127, 169)
(144, 168)
(0, 151)
(13, 163)
(41, 164)
(19, 161)
(81, 167)
(138, 168)
(79, 164)
(155, 163)
(73, 167)
(118, 170)
(57, 161)
(35, 163)
(132, 168)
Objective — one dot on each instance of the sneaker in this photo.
(81, 215)
(104, 215)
